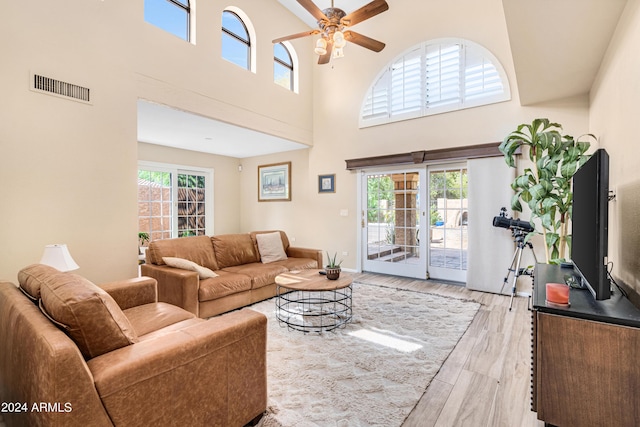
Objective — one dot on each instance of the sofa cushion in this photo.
(185, 264)
(87, 313)
(152, 317)
(194, 248)
(261, 274)
(225, 284)
(234, 249)
(298, 263)
(31, 278)
(270, 247)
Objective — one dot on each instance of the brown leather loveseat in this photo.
(223, 272)
(76, 354)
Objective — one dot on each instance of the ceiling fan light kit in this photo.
(333, 24)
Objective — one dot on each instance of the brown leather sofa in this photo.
(245, 274)
(75, 354)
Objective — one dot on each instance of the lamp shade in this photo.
(58, 257)
(339, 40)
(321, 47)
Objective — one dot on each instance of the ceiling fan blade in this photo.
(313, 9)
(296, 36)
(324, 59)
(364, 41)
(367, 11)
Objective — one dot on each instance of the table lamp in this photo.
(58, 257)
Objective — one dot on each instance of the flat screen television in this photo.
(590, 223)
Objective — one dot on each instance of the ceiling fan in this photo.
(333, 26)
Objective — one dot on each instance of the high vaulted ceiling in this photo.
(546, 37)
(558, 45)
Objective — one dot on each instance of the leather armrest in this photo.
(316, 254)
(175, 286)
(132, 292)
(201, 371)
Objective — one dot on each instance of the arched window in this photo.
(435, 77)
(172, 16)
(236, 43)
(283, 74)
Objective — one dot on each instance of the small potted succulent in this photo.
(333, 268)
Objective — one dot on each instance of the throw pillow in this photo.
(31, 278)
(88, 314)
(185, 264)
(270, 247)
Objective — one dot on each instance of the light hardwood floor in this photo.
(486, 379)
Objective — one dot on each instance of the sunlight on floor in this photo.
(386, 340)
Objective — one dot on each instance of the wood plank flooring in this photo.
(486, 379)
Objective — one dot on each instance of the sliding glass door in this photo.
(448, 219)
(392, 217)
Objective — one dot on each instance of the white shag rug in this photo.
(370, 373)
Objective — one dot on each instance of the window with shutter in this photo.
(435, 77)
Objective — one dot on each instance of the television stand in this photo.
(584, 362)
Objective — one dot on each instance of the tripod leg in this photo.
(509, 270)
(515, 277)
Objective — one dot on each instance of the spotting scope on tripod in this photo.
(519, 230)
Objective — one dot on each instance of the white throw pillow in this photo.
(185, 264)
(270, 247)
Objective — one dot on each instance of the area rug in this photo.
(371, 372)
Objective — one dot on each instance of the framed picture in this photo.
(274, 182)
(327, 183)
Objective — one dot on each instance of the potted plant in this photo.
(333, 268)
(142, 239)
(546, 186)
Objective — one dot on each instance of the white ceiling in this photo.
(558, 45)
(163, 125)
(346, 5)
(546, 38)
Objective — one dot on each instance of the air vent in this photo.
(60, 88)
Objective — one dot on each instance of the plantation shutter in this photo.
(433, 78)
(481, 77)
(442, 75)
(377, 103)
(406, 84)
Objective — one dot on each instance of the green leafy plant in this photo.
(331, 261)
(143, 238)
(546, 186)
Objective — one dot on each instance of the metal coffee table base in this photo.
(313, 311)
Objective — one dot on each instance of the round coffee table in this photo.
(307, 301)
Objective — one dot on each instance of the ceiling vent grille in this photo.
(60, 88)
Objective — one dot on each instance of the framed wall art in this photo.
(327, 183)
(274, 182)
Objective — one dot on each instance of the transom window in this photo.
(174, 202)
(435, 77)
(236, 43)
(282, 66)
(172, 16)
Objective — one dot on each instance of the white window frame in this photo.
(385, 89)
(294, 62)
(176, 169)
(189, 9)
(252, 37)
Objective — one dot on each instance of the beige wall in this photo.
(340, 89)
(69, 169)
(615, 108)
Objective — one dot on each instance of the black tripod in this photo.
(518, 236)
